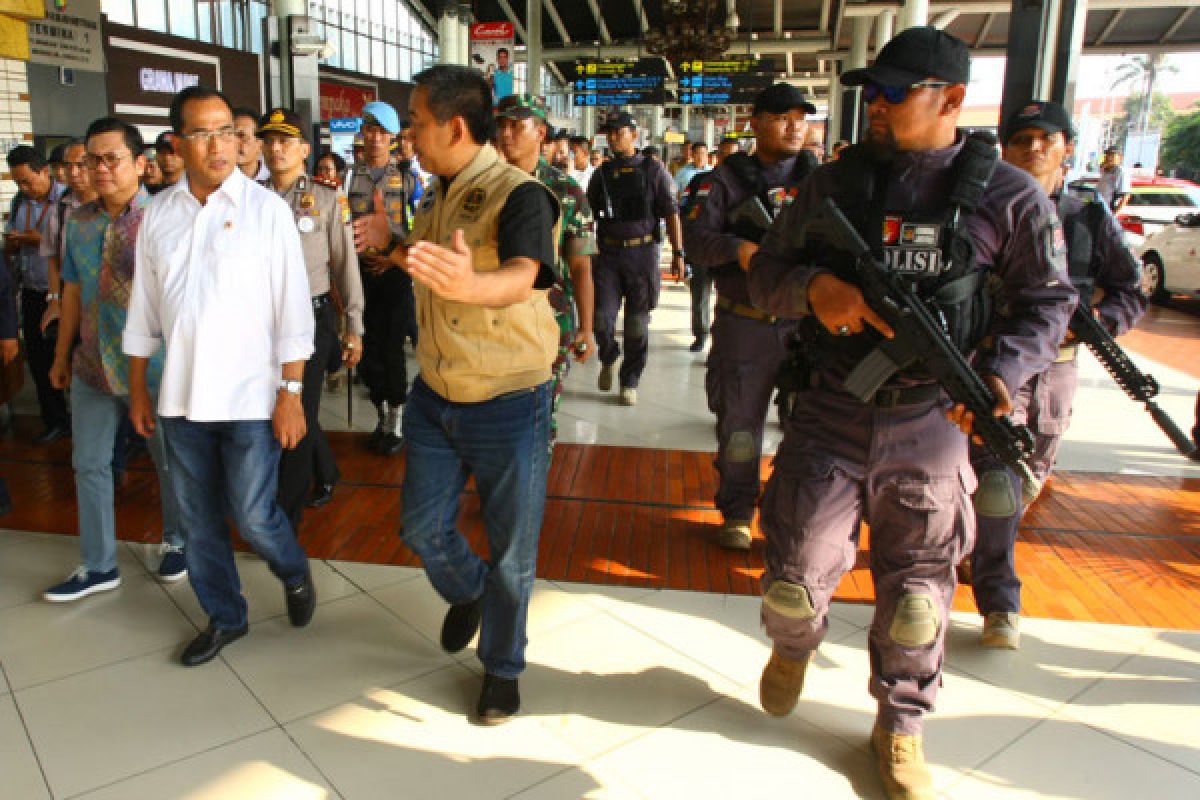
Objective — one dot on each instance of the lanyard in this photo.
(42, 218)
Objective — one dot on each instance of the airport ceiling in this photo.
(807, 35)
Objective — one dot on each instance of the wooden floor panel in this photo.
(1095, 547)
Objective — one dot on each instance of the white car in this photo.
(1171, 259)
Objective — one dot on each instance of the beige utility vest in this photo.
(469, 353)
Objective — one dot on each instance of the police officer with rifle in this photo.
(730, 211)
(975, 245)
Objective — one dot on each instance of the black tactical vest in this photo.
(621, 193)
(1082, 227)
(932, 248)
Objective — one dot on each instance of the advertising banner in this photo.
(491, 52)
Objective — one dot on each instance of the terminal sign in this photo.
(619, 82)
(164, 81)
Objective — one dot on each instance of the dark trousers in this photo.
(1196, 427)
(296, 465)
(40, 353)
(325, 468)
(701, 286)
(631, 276)
(388, 318)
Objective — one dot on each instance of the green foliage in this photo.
(1181, 143)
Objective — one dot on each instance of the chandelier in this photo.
(693, 30)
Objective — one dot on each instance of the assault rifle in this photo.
(1140, 387)
(919, 339)
(750, 220)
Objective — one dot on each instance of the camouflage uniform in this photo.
(577, 238)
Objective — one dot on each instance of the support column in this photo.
(448, 36)
(1072, 24)
(710, 131)
(849, 116)
(589, 121)
(464, 34)
(914, 13)
(885, 29)
(1051, 30)
(833, 112)
(533, 46)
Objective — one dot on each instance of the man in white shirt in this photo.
(581, 169)
(220, 282)
(1114, 182)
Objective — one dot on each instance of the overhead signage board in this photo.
(734, 81)
(68, 36)
(619, 82)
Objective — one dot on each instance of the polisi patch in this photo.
(913, 260)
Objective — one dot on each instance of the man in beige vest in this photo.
(482, 257)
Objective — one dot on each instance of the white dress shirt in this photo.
(223, 285)
(582, 176)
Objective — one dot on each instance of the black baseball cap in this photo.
(1042, 114)
(914, 55)
(779, 98)
(620, 119)
(164, 142)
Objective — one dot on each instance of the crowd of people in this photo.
(198, 305)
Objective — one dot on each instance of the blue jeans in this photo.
(221, 468)
(98, 415)
(504, 443)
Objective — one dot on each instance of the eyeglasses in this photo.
(110, 160)
(225, 134)
(896, 94)
(81, 164)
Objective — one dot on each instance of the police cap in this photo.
(281, 120)
(620, 119)
(1041, 114)
(914, 55)
(381, 114)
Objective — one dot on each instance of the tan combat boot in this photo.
(735, 535)
(902, 767)
(1001, 630)
(781, 683)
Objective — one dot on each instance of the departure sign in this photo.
(619, 83)
(728, 82)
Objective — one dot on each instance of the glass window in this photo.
(228, 28)
(183, 18)
(258, 12)
(119, 11)
(152, 15)
(349, 59)
(206, 22)
(378, 61)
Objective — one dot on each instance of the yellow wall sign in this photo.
(23, 9)
(14, 38)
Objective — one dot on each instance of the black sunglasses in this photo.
(896, 94)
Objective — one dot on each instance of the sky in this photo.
(1094, 76)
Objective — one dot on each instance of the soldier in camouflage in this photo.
(521, 127)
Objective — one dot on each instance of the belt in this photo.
(1066, 353)
(741, 310)
(891, 398)
(611, 241)
(321, 300)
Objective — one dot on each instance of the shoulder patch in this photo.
(474, 200)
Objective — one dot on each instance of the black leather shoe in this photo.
(460, 625)
(321, 495)
(204, 648)
(376, 437)
(699, 344)
(301, 601)
(499, 701)
(52, 434)
(390, 445)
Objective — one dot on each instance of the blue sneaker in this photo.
(173, 566)
(81, 583)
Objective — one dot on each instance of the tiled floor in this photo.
(632, 691)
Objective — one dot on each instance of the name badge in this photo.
(305, 224)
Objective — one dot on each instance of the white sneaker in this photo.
(1001, 630)
(629, 396)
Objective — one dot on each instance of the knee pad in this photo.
(995, 496)
(741, 447)
(637, 326)
(789, 600)
(916, 621)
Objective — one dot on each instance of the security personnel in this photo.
(1038, 138)
(389, 314)
(628, 195)
(521, 127)
(895, 461)
(732, 208)
(323, 221)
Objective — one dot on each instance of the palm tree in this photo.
(1143, 70)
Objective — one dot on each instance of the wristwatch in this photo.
(52, 296)
(292, 387)
(680, 254)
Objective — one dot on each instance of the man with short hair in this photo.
(728, 146)
(29, 220)
(482, 258)
(249, 152)
(10, 348)
(169, 162)
(897, 459)
(97, 270)
(232, 311)
(378, 189)
(1039, 138)
(697, 163)
(79, 191)
(501, 77)
(580, 169)
(722, 232)
(1114, 181)
(629, 195)
(521, 126)
(322, 218)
